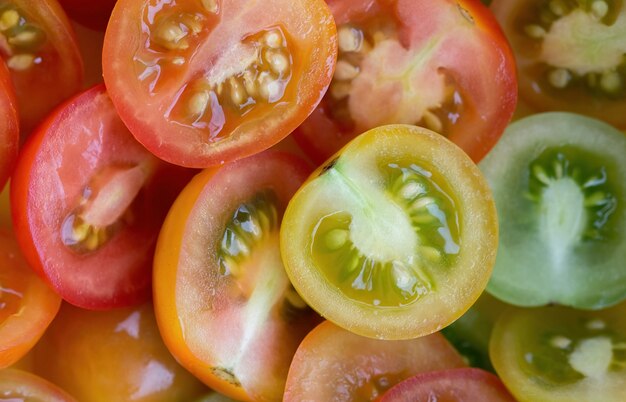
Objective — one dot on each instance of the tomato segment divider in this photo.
(201, 83)
(87, 203)
(224, 304)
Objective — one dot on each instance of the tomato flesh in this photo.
(105, 197)
(378, 240)
(218, 80)
(9, 130)
(224, 303)
(394, 68)
(17, 386)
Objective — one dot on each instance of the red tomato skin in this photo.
(9, 125)
(92, 14)
(320, 136)
(119, 274)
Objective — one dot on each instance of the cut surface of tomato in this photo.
(116, 355)
(27, 305)
(200, 83)
(394, 237)
(558, 182)
(224, 303)
(87, 203)
(408, 62)
(558, 354)
(455, 385)
(570, 54)
(39, 47)
(18, 386)
(333, 364)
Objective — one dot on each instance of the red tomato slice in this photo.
(9, 131)
(457, 385)
(93, 14)
(27, 305)
(87, 203)
(201, 83)
(223, 301)
(40, 49)
(333, 364)
(117, 355)
(416, 62)
(17, 385)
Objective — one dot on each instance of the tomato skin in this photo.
(93, 14)
(192, 299)
(455, 385)
(313, 33)
(115, 355)
(489, 89)
(59, 76)
(9, 125)
(23, 321)
(334, 364)
(118, 274)
(20, 385)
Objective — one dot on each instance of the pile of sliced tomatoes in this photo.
(312, 200)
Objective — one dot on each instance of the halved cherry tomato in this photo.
(40, 49)
(5, 210)
(559, 184)
(9, 129)
(201, 83)
(332, 364)
(93, 14)
(395, 237)
(17, 385)
(117, 355)
(224, 304)
(441, 64)
(27, 305)
(87, 204)
(570, 54)
(557, 354)
(455, 385)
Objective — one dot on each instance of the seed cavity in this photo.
(350, 39)
(21, 40)
(595, 325)
(211, 6)
(560, 342)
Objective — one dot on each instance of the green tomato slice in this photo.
(558, 354)
(395, 237)
(557, 179)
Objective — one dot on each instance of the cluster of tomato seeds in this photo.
(389, 241)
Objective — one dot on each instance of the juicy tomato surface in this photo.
(42, 54)
(116, 355)
(21, 386)
(27, 305)
(558, 182)
(569, 54)
(407, 61)
(201, 83)
(334, 364)
(558, 354)
(394, 237)
(93, 14)
(9, 125)
(87, 204)
(224, 303)
(454, 385)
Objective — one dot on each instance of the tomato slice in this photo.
(116, 355)
(395, 237)
(201, 83)
(17, 385)
(558, 182)
(393, 67)
(455, 385)
(569, 54)
(27, 305)
(40, 49)
(558, 354)
(224, 304)
(332, 364)
(87, 204)
(92, 14)
(9, 130)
